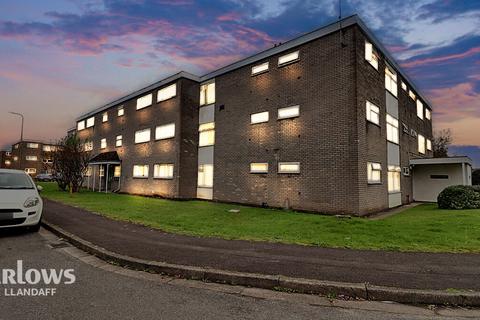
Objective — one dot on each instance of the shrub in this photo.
(459, 197)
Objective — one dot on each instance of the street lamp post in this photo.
(21, 115)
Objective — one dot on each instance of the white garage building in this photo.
(431, 176)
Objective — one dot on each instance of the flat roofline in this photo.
(35, 141)
(451, 160)
(300, 40)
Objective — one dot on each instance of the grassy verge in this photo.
(423, 228)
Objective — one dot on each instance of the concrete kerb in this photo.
(274, 282)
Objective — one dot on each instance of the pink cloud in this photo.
(456, 56)
(230, 16)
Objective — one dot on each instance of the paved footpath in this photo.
(394, 269)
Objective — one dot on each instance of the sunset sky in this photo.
(61, 58)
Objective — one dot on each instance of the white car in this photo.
(20, 203)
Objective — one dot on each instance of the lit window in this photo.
(391, 80)
(144, 101)
(290, 57)
(289, 167)
(102, 171)
(421, 144)
(259, 117)
(165, 131)
(167, 93)
(48, 148)
(258, 167)
(89, 172)
(373, 113)
(207, 93)
(370, 55)
(394, 178)
(374, 171)
(8, 162)
(260, 68)
(205, 175)
(140, 171)
(90, 122)
(81, 125)
(32, 145)
(30, 170)
(15, 146)
(428, 114)
(105, 117)
(429, 145)
(15, 158)
(103, 143)
(412, 95)
(117, 172)
(119, 141)
(419, 109)
(88, 146)
(48, 161)
(142, 136)
(288, 112)
(207, 134)
(31, 158)
(163, 171)
(392, 129)
(404, 86)
(120, 111)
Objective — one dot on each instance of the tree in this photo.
(441, 141)
(70, 162)
(476, 177)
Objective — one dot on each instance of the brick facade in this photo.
(23, 149)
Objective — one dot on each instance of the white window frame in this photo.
(119, 141)
(392, 129)
(259, 167)
(32, 145)
(103, 143)
(420, 109)
(206, 136)
(144, 168)
(80, 125)
(373, 113)
(163, 171)
(167, 93)
(288, 58)
(428, 114)
(412, 95)
(374, 173)
(144, 101)
(202, 181)
(105, 117)
(165, 131)
(30, 170)
(288, 112)
(88, 146)
(90, 122)
(370, 55)
(259, 117)
(283, 167)
(421, 144)
(260, 68)
(429, 145)
(207, 93)
(120, 111)
(31, 158)
(142, 136)
(48, 148)
(391, 80)
(394, 179)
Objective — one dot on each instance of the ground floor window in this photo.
(394, 178)
(117, 171)
(205, 175)
(102, 171)
(258, 167)
(374, 171)
(31, 170)
(140, 171)
(163, 171)
(89, 172)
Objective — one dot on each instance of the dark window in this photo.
(439, 176)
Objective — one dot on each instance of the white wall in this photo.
(427, 189)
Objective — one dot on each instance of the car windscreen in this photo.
(10, 180)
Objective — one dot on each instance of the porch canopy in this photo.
(105, 158)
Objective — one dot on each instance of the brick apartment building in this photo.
(33, 157)
(5, 159)
(326, 122)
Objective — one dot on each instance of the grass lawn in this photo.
(423, 228)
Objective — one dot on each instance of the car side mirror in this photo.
(39, 188)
